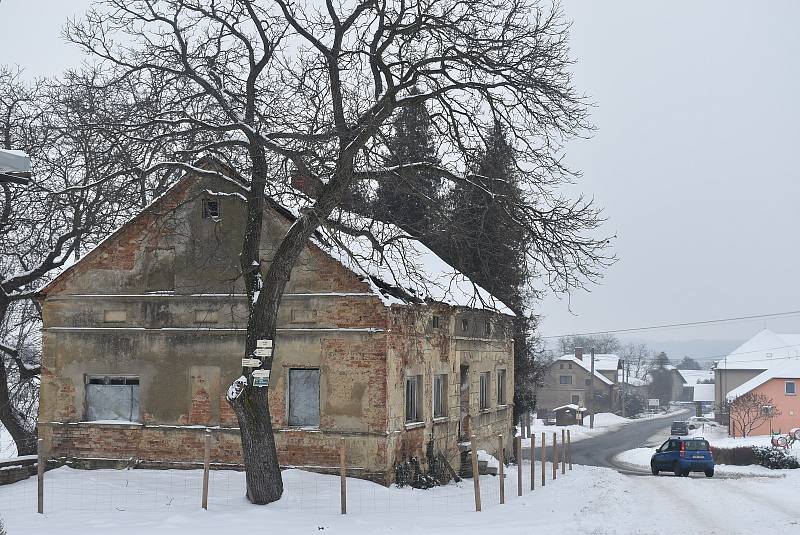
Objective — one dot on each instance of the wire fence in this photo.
(67, 489)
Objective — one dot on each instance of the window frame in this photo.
(794, 388)
(576, 401)
(484, 383)
(439, 396)
(413, 401)
(121, 380)
(500, 388)
(436, 322)
(562, 382)
(208, 211)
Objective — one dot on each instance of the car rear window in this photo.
(697, 445)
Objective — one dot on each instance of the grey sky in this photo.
(694, 158)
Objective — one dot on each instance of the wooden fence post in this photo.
(501, 472)
(554, 455)
(563, 452)
(206, 465)
(519, 466)
(544, 457)
(476, 476)
(533, 461)
(40, 466)
(343, 476)
(569, 450)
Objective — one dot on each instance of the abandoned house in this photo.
(143, 335)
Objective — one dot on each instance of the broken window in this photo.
(112, 398)
(210, 209)
(414, 398)
(501, 387)
(440, 395)
(483, 402)
(304, 397)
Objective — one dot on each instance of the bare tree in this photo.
(637, 359)
(601, 343)
(279, 87)
(750, 410)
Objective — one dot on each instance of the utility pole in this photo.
(591, 394)
(622, 390)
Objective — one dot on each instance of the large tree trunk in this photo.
(263, 473)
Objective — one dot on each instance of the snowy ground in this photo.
(7, 447)
(149, 501)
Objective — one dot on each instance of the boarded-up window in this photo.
(115, 316)
(304, 397)
(112, 398)
(300, 315)
(205, 316)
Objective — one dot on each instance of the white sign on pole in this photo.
(251, 363)
(263, 352)
(260, 377)
(653, 403)
(263, 343)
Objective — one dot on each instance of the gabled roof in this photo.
(762, 351)
(398, 275)
(587, 367)
(787, 369)
(605, 362)
(692, 377)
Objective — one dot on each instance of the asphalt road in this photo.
(600, 450)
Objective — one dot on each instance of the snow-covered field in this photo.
(587, 500)
(640, 458)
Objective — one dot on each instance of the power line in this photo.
(678, 325)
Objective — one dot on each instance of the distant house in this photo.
(692, 378)
(567, 382)
(758, 354)
(666, 384)
(779, 383)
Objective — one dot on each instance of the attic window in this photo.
(464, 325)
(210, 209)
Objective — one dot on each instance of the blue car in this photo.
(683, 455)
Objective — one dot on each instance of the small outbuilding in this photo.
(570, 414)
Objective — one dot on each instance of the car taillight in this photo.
(683, 449)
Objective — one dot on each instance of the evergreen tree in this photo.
(409, 199)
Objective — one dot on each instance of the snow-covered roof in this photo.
(762, 351)
(605, 362)
(571, 406)
(405, 271)
(787, 369)
(14, 161)
(584, 363)
(692, 377)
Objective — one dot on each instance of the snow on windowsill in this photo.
(441, 420)
(109, 422)
(414, 425)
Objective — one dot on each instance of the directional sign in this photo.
(263, 343)
(652, 403)
(260, 377)
(263, 352)
(251, 363)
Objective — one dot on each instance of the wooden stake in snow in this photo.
(569, 450)
(343, 476)
(544, 456)
(554, 455)
(476, 477)
(563, 452)
(206, 465)
(533, 461)
(519, 465)
(500, 473)
(40, 462)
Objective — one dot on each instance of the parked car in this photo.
(683, 455)
(697, 422)
(679, 428)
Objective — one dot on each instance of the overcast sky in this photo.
(694, 158)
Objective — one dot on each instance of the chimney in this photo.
(308, 185)
(579, 353)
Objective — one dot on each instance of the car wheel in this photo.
(676, 469)
(709, 473)
(685, 473)
(653, 469)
